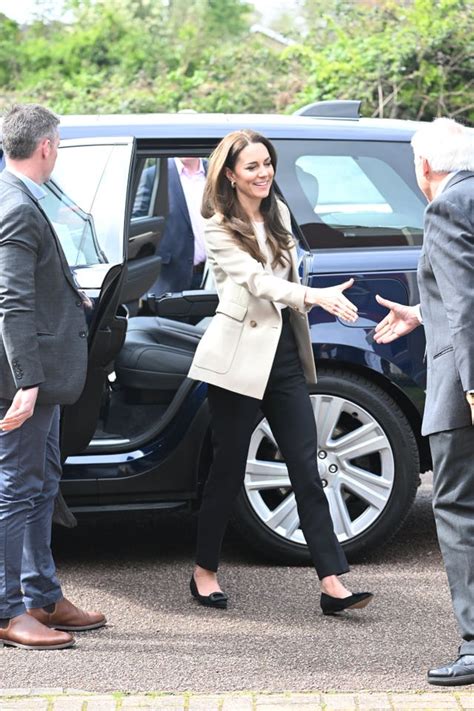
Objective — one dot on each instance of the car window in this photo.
(86, 184)
(74, 227)
(147, 186)
(352, 193)
(346, 189)
(166, 219)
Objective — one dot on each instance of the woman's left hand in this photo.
(332, 299)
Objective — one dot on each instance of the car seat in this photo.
(157, 354)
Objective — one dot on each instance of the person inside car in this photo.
(182, 247)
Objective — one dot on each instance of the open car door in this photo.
(87, 203)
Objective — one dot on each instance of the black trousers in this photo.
(287, 407)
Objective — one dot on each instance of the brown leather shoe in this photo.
(63, 615)
(26, 632)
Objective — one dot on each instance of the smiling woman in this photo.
(243, 166)
(256, 355)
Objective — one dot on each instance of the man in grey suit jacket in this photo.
(444, 163)
(43, 362)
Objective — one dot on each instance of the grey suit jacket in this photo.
(43, 333)
(446, 283)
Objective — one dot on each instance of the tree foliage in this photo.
(404, 59)
(408, 59)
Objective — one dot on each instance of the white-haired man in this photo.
(444, 164)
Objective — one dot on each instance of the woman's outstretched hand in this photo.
(332, 299)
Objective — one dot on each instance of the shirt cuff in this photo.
(418, 312)
(306, 308)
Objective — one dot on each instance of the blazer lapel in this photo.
(294, 273)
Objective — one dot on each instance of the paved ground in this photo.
(368, 701)
(271, 639)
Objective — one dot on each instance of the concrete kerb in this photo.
(76, 700)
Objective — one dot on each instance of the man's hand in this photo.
(21, 409)
(85, 300)
(398, 322)
(470, 402)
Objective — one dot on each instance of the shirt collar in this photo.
(36, 190)
(182, 170)
(444, 182)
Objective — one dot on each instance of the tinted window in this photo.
(86, 201)
(147, 186)
(74, 227)
(352, 193)
(166, 217)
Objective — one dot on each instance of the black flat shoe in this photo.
(458, 673)
(330, 605)
(215, 599)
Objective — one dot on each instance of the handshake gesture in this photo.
(399, 321)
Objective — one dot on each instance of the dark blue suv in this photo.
(138, 439)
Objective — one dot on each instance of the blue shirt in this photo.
(36, 190)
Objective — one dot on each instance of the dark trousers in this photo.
(453, 506)
(30, 470)
(287, 407)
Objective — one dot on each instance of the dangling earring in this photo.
(232, 183)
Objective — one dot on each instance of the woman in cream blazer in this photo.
(238, 348)
(256, 355)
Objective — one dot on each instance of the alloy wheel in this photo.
(356, 466)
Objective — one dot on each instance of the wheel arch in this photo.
(397, 393)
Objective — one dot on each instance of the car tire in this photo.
(370, 494)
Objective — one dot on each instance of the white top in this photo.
(283, 272)
(193, 188)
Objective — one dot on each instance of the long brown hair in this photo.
(219, 197)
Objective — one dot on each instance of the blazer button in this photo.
(79, 303)
(82, 334)
(253, 323)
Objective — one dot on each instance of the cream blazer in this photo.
(238, 348)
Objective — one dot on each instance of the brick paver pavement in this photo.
(58, 700)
